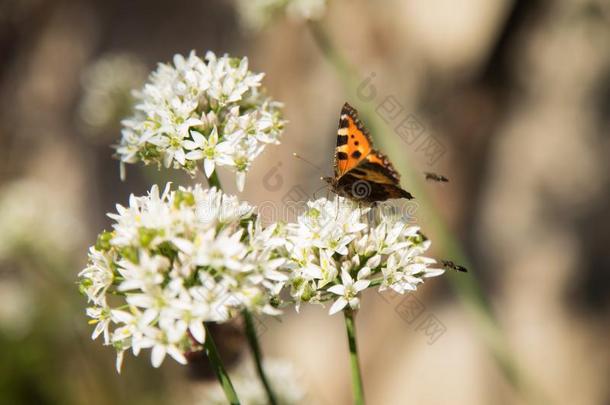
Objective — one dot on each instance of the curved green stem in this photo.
(257, 354)
(214, 181)
(250, 331)
(219, 370)
(350, 327)
(468, 288)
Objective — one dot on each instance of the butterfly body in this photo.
(362, 173)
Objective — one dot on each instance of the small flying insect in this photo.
(436, 177)
(449, 265)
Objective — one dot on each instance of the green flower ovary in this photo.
(146, 235)
(103, 241)
(241, 163)
(184, 197)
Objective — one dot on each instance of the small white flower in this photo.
(348, 292)
(144, 275)
(223, 250)
(168, 342)
(100, 317)
(207, 149)
(99, 275)
(173, 147)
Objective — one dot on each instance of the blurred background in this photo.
(508, 99)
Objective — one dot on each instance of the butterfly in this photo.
(362, 173)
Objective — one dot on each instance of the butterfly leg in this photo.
(374, 211)
(337, 214)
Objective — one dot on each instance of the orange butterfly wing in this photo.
(353, 141)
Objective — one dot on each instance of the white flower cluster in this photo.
(174, 260)
(336, 249)
(177, 259)
(284, 379)
(195, 110)
(107, 85)
(256, 14)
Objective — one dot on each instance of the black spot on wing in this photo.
(341, 140)
(341, 155)
(356, 154)
(353, 113)
(343, 123)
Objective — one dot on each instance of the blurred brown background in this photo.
(517, 92)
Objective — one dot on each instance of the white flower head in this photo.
(336, 250)
(107, 85)
(201, 113)
(174, 260)
(256, 14)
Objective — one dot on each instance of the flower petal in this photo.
(194, 155)
(119, 361)
(157, 355)
(361, 285)
(208, 167)
(337, 289)
(240, 178)
(197, 330)
(338, 306)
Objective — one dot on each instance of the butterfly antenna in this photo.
(296, 155)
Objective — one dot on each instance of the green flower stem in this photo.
(467, 287)
(350, 327)
(214, 181)
(257, 354)
(219, 370)
(210, 346)
(250, 331)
